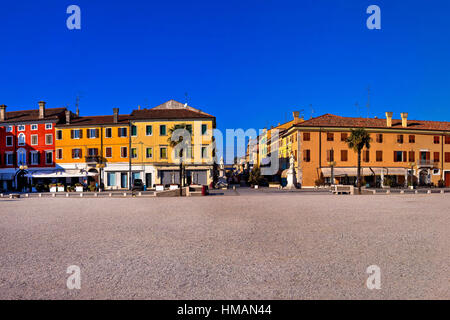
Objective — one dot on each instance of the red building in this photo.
(27, 143)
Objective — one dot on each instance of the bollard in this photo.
(81, 195)
(67, 195)
(27, 195)
(416, 192)
(124, 194)
(1, 195)
(53, 195)
(140, 194)
(442, 191)
(95, 194)
(110, 194)
(429, 191)
(40, 195)
(402, 191)
(388, 191)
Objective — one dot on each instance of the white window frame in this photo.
(146, 154)
(106, 130)
(148, 135)
(12, 159)
(90, 133)
(32, 162)
(23, 152)
(9, 129)
(47, 152)
(56, 154)
(48, 144)
(48, 126)
(76, 130)
(78, 154)
(34, 127)
(37, 140)
(24, 139)
(21, 127)
(12, 141)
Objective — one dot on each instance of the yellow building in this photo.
(402, 151)
(118, 149)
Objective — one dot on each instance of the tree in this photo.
(358, 139)
(173, 142)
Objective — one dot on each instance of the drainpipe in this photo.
(320, 148)
(442, 156)
(101, 158)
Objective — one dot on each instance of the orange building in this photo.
(403, 152)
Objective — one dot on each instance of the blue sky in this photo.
(249, 63)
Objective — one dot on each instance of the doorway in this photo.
(447, 179)
(148, 180)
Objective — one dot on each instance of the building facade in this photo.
(27, 145)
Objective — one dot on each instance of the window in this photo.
(411, 156)
(447, 157)
(412, 138)
(58, 134)
(400, 138)
(344, 137)
(123, 152)
(34, 127)
(48, 126)
(436, 156)
(204, 152)
(48, 139)
(77, 153)
(9, 141)
(93, 152)
(108, 133)
(9, 158)
(9, 129)
(21, 157)
(306, 136)
(34, 140)
(111, 179)
(108, 152)
(163, 153)
(21, 140)
(307, 155)
(344, 155)
(76, 134)
(204, 129)
(436, 139)
(189, 128)
(379, 156)
(92, 133)
(133, 153)
(366, 156)
(400, 156)
(59, 154)
(48, 157)
(21, 127)
(148, 130)
(34, 157)
(447, 139)
(379, 138)
(149, 153)
(330, 136)
(330, 155)
(122, 132)
(162, 130)
(133, 131)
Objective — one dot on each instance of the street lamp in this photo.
(332, 164)
(100, 166)
(411, 165)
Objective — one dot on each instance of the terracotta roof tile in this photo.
(330, 120)
(169, 114)
(33, 115)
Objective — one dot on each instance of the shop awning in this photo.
(60, 174)
(6, 176)
(353, 171)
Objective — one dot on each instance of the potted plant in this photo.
(78, 187)
(60, 187)
(159, 187)
(53, 187)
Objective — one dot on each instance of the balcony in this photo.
(427, 163)
(92, 159)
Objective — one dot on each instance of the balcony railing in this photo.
(427, 162)
(92, 159)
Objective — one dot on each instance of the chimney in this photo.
(41, 109)
(404, 116)
(139, 107)
(2, 112)
(389, 119)
(116, 115)
(78, 112)
(68, 116)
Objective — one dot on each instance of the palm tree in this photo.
(358, 139)
(173, 143)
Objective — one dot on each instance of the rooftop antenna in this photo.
(368, 101)
(357, 109)
(301, 113)
(77, 104)
(186, 99)
(312, 111)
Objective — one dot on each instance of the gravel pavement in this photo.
(267, 246)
